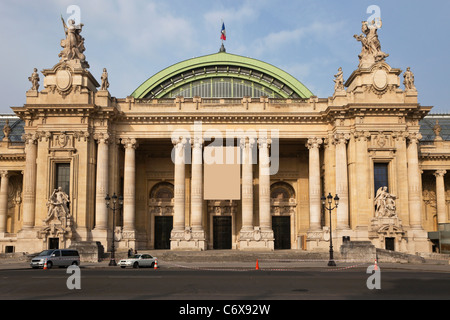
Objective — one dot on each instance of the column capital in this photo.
(440, 173)
(129, 143)
(264, 142)
(196, 142)
(341, 137)
(314, 143)
(4, 174)
(247, 142)
(30, 138)
(180, 141)
(102, 137)
(414, 137)
(361, 135)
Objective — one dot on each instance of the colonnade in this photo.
(196, 199)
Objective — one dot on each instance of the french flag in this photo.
(223, 35)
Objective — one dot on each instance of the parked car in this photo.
(56, 257)
(137, 261)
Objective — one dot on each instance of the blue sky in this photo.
(135, 39)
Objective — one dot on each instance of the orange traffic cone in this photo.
(45, 264)
(376, 266)
(257, 265)
(156, 264)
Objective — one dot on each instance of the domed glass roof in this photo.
(222, 75)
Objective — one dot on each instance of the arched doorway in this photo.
(283, 204)
(161, 214)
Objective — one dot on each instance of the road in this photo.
(180, 284)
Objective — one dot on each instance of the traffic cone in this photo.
(156, 264)
(45, 264)
(376, 266)
(257, 265)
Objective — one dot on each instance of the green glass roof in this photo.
(222, 64)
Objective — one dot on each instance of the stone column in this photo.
(440, 196)
(265, 219)
(340, 140)
(179, 185)
(101, 211)
(414, 187)
(129, 185)
(197, 185)
(313, 145)
(29, 181)
(361, 179)
(3, 200)
(247, 183)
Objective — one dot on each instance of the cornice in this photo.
(221, 118)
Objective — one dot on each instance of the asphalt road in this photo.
(180, 284)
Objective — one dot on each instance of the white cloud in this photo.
(245, 13)
(318, 32)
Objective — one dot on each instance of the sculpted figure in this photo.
(409, 79)
(57, 205)
(34, 79)
(339, 80)
(371, 47)
(6, 130)
(105, 82)
(384, 203)
(73, 45)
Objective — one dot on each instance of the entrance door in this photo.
(53, 243)
(282, 232)
(222, 232)
(163, 227)
(390, 243)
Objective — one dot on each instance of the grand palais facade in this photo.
(223, 152)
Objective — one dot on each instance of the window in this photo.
(222, 88)
(380, 171)
(62, 177)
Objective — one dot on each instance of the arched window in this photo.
(281, 191)
(163, 191)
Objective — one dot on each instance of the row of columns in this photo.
(313, 144)
(197, 184)
(102, 183)
(265, 218)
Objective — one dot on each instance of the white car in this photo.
(137, 261)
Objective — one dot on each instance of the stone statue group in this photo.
(385, 203)
(57, 205)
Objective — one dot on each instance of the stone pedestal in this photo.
(358, 251)
(90, 251)
(256, 239)
(388, 227)
(188, 240)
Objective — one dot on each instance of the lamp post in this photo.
(328, 200)
(112, 262)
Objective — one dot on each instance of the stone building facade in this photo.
(73, 143)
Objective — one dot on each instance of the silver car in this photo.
(137, 261)
(56, 257)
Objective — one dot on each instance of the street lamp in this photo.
(328, 200)
(112, 262)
